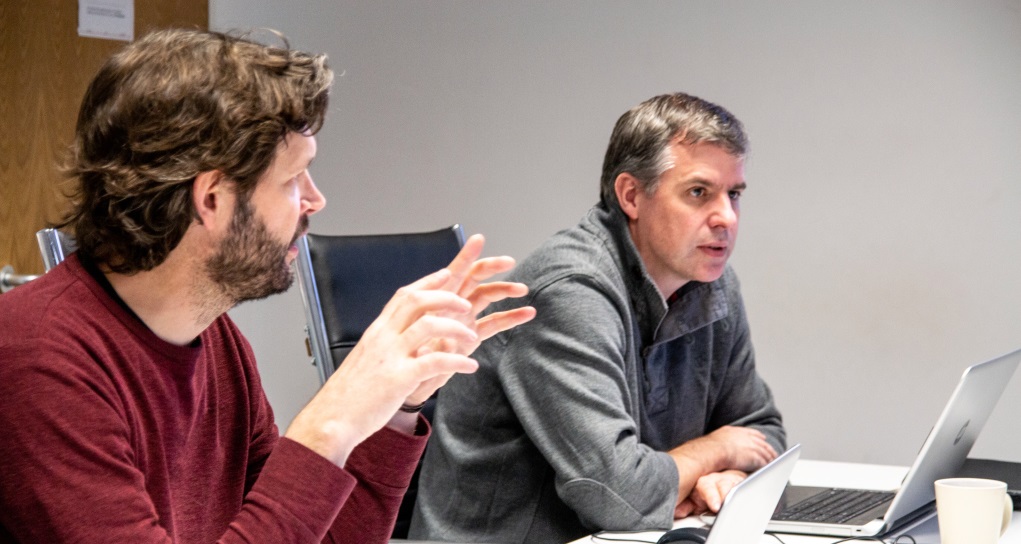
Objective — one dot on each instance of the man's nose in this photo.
(312, 200)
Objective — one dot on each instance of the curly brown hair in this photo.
(166, 108)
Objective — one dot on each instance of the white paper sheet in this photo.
(110, 19)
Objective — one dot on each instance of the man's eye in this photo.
(696, 191)
(735, 195)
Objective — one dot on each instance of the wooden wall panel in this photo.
(44, 70)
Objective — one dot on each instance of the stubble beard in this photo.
(250, 264)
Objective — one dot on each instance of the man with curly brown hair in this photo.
(130, 403)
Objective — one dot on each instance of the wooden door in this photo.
(44, 70)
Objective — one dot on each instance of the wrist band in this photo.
(412, 408)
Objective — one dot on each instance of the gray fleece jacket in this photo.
(563, 429)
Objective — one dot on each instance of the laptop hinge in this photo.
(919, 514)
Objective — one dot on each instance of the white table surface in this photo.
(832, 474)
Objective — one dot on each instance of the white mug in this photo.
(972, 510)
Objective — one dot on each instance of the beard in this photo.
(250, 264)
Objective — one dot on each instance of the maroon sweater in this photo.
(109, 434)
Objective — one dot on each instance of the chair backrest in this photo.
(346, 280)
(54, 246)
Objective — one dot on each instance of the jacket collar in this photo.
(699, 305)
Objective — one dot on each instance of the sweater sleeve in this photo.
(296, 495)
(566, 381)
(383, 466)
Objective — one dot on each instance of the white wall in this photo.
(881, 232)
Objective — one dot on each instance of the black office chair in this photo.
(345, 282)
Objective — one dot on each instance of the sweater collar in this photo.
(698, 304)
(90, 275)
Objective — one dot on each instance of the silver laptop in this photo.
(747, 507)
(859, 513)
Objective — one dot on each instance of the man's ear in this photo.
(627, 188)
(213, 197)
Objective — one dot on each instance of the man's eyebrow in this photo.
(306, 167)
(702, 182)
(698, 181)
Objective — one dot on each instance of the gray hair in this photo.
(640, 142)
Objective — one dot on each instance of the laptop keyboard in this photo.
(834, 506)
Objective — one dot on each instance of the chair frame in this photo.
(315, 326)
(54, 246)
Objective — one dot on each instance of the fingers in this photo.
(467, 270)
(746, 449)
(715, 489)
(482, 270)
(416, 307)
(432, 333)
(461, 266)
(761, 452)
(501, 321)
(439, 363)
(723, 485)
(757, 449)
(457, 342)
(427, 388)
(711, 489)
(684, 509)
(410, 303)
(711, 498)
(693, 504)
(484, 295)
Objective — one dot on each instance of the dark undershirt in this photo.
(90, 266)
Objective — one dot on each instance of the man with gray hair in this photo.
(632, 399)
